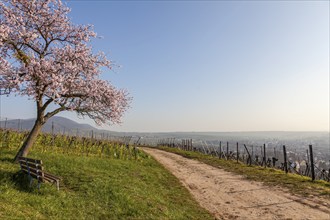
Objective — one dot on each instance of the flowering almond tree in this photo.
(47, 58)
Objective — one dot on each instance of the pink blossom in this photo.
(55, 62)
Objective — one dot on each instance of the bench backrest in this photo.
(32, 167)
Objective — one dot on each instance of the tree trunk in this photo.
(29, 141)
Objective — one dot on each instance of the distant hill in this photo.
(61, 125)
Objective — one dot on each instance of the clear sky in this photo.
(211, 66)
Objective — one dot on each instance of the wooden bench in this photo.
(34, 169)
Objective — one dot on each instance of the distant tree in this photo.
(47, 58)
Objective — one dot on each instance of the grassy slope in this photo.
(295, 183)
(94, 188)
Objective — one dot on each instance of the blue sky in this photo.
(211, 66)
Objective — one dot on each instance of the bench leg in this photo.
(30, 180)
(58, 185)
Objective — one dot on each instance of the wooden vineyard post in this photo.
(227, 154)
(249, 160)
(285, 161)
(264, 160)
(220, 150)
(312, 162)
(237, 152)
(5, 123)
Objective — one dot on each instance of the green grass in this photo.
(95, 188)
(294, 183)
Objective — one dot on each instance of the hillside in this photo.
(116, 184)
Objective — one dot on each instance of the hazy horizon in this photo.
(214, 66)
(2, 121)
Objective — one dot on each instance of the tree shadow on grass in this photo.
(18, 180)
(13, 177)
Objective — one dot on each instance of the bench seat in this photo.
(34, 169)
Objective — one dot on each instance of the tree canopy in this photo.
(44, 56)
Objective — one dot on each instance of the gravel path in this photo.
(230, 196)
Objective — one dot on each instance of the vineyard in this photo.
(125, 147)
(277, 157)
(72, 145)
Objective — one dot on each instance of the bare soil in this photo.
(230, 196)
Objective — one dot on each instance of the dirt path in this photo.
(230, 196)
